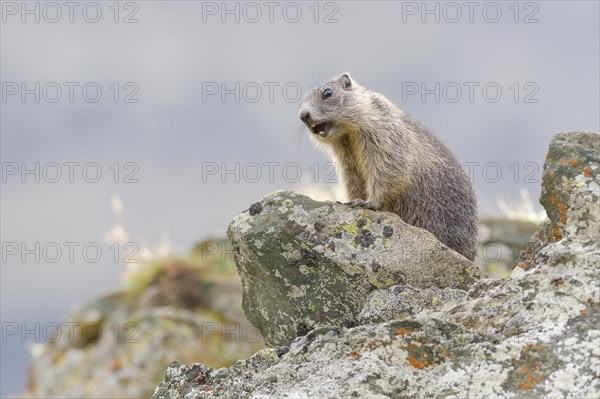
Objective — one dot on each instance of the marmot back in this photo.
(390, 162)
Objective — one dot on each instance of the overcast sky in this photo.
(172, 94)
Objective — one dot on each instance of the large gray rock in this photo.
(535, 334)
(306, 264)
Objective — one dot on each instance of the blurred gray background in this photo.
(544, 56)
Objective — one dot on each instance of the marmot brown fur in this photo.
(390, 162)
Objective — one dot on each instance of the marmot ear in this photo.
(345, 81)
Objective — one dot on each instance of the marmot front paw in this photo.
(360, 203)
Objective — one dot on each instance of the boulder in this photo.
(306, 264)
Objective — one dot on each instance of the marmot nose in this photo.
(305, 116)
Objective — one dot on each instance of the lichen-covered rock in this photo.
(119, 353)
(533, 335)
(400, 301)
(306, 264)
(570, 155)
(191, 381)
(118, 345)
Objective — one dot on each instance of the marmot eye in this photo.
(327, 93)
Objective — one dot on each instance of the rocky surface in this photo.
(534, 334)
(119, 345)
(400, 301)
(306, 264)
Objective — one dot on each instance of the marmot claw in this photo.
(360, 203)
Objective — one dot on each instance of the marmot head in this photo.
(333, 108)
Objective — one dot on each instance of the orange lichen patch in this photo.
(570, 162)
(209, 389)
(417, 363)
(529, 371)
(402, 332)
(555, 235)
(355, 354)
(371, 345)
(554, 200)
(548, 155)
(587, 172)
(419, 356)
(523, 265)
(584, 312)
(562, 210)
(558, 281)
(590, 300)
(531, 378)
